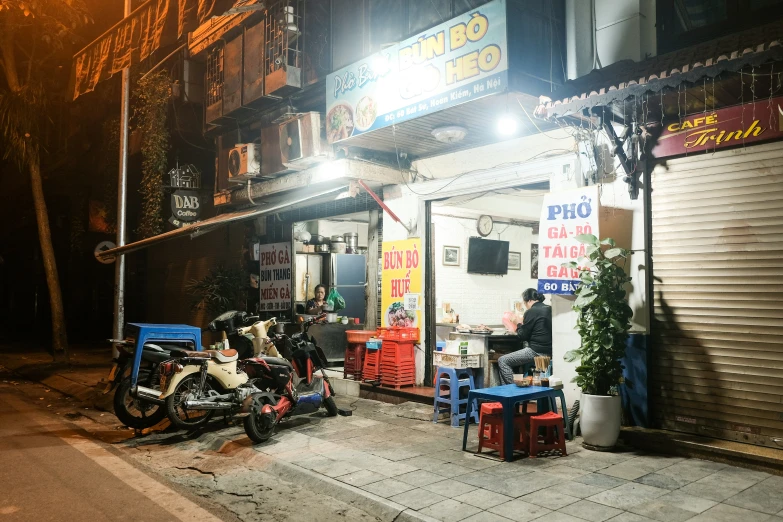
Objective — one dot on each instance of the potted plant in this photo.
(603, 324)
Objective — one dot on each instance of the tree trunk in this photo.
(59, 335)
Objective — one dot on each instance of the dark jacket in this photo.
(536, 328)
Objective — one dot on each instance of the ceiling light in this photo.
(507, 125)
(450, 133)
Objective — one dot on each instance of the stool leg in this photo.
(436, 408)
(454, 387)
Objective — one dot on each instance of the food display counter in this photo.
(491, 345)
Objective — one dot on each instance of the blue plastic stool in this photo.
(456, 379)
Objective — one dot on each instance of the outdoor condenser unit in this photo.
(244, 161)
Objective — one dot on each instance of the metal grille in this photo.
(283, 35)
(215, 75)
(717, 230)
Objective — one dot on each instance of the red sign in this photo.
(738, 125)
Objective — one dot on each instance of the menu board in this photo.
(564, 216)
(400, 282)
(274, 279)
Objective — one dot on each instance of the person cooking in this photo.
(535, 330)
(315, 306)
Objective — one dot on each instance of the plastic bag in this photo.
(336, 300)
(510, 321)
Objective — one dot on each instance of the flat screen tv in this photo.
(487, 256)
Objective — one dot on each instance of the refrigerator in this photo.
(309, 273)
(348, 274)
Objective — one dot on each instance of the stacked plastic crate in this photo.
(398, 364)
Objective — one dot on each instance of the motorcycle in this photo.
(136, 372)
(284, 396)
(200, 384)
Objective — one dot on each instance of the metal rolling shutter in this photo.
(717, 363)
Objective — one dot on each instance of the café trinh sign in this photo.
(452, 63)
(761, 120)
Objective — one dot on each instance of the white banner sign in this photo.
(564, 216)
(274, 280)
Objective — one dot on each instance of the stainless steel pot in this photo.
(338, 239)
(316, 239)
(352, 240)
(324, 249)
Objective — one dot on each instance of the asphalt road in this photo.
(50, 471)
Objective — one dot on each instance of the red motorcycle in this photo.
(289, 388)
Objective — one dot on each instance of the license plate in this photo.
(163, 379)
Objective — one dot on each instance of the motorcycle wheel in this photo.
(331, 406)
(135, 413)
(180, 417)
(260, 426)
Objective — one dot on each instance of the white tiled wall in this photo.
(479, 299)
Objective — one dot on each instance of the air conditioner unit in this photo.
(301, 143)
(244, 161)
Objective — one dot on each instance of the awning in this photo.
(284, 201)
(627, 79)
(152, 25)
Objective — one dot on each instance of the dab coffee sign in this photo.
(739, 125)
(185, 207)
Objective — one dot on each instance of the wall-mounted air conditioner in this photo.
(295, 144)
(244, 161)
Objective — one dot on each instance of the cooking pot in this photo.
(338, 248)
(338, 239)
(324, 249)
(352, 240)
(316, 239)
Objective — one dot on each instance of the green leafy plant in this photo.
(151, 111)
(604, 316)
(222, 289)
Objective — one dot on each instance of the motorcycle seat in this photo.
(189, 353)
(223, 356)
(277, 361)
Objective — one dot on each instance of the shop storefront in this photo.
(700, 144)
(717, 224)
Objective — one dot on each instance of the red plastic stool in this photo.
(371, 368)
(555, 434)
(490, 432)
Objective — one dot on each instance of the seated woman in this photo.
(535, 330)
(315, 306)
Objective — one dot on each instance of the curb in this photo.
(379, 507)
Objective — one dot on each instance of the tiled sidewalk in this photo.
(420, 465)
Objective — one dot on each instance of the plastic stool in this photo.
(554, 438)
(447, 394)
(490, 433)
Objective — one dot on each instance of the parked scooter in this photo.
(195, 385)
(133, 412)
(136, 376)
(285, 396)
(202, 383)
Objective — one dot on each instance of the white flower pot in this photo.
(599, 419)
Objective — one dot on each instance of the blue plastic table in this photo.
(509, 396)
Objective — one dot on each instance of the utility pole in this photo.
(122, 189)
